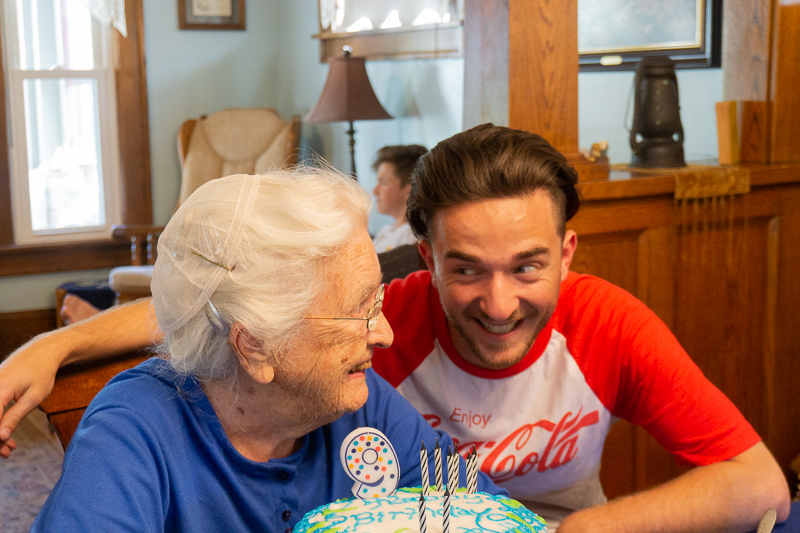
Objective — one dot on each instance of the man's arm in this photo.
(28, 374)
(726, 496)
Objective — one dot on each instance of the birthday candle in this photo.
(423, 464)
(437, 460)
(449, 464)
(446, 515)
(452, 471)
(423, 524)
(472, 471)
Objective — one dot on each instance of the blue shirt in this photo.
(150, 454)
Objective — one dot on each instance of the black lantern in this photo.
(657, 134)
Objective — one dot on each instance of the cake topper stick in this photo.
(452, 471)
(423, 465)
(423, 521)
(371, 461)
(437, 459)
(446, 512)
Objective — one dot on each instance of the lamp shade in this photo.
(347, 94)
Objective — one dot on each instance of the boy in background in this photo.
(394, 165)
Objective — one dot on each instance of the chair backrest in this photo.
(235, 141)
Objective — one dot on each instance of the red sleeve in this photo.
(640, 372)
(407, 306)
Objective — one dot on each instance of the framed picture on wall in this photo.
(211, 14)
(617, 34)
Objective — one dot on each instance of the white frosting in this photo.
(469, 513)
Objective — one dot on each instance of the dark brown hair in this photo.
(488, 162)
(404, 157)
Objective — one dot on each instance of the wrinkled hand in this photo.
(26, 378)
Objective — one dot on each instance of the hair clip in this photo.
(221, 328)
(212, 262)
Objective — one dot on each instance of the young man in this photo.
(508, 352)
(394, 165)
(505, 349)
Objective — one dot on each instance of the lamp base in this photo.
(658, 153)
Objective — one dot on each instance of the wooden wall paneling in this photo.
(656, 276)
(784, 429)
(785, 79)
(19, 327)
(654, 465)
(618, 469)
(719, 310)
(721, 273)
(770, 324)
(601, 217)
(600, 255)
(656, 288)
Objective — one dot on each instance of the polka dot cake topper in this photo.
(370, 460)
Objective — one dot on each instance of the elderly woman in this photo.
(267, 289)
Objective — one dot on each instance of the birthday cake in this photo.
(400, 512)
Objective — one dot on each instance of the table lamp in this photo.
(347, 95)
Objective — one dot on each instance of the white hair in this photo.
(301, 219)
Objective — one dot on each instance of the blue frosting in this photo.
(469, 513)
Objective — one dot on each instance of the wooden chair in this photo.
(231, 141)
(77, 384)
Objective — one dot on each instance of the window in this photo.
(63, 139)
(129, 93)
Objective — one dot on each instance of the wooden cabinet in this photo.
(724, 274)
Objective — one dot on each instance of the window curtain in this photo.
(109, 12)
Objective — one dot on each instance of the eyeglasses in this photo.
(372, 317)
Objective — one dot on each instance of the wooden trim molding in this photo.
(41, 259)
(134, 126)
(134, 149)
(6, 226)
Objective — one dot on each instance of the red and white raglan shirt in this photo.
(539, 426)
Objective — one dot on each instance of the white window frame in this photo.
(104, 77)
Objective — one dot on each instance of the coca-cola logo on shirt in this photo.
(512, 457)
